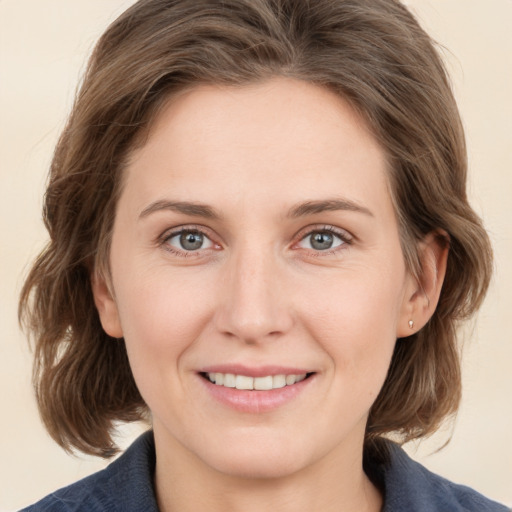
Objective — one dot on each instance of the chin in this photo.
(260, 469)
(257, 460)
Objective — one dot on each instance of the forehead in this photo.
(219, 142)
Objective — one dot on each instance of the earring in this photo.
(411, 324)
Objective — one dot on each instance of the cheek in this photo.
(161, 316)
(162, 319)
(357, 303)
(355, 318)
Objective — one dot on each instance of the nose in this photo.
(253, 305)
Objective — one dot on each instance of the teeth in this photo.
(229, 380)
(279, 381)
(243, 382)
(263, 383)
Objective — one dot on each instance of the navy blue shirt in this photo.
(127, 485)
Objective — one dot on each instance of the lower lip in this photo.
(256, 401)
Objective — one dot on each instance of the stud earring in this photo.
(411, 324)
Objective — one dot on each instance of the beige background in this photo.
(43, 45)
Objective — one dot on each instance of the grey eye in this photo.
(321, 240)
(189, 241)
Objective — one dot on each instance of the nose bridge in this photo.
(252, 305)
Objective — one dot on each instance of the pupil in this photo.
(191, 241)
(321, 241)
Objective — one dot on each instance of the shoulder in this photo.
(125, 485)
(410, 486)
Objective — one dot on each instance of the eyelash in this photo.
(345, 238)
(343, 235)
(200, 230)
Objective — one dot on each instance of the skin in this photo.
(257, 292)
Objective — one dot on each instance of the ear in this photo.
(422, 293)
(106, 305)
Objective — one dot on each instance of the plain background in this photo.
(43, 47)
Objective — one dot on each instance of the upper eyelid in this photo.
(170, 232)
(342, 233)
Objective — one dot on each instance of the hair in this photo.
(373, 54)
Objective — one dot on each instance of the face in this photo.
(257, 277)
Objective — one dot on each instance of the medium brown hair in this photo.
(373, 54)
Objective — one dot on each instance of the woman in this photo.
(260, 241)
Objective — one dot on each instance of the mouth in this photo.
(248, 383)
(256, 389)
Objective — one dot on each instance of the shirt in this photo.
(126, 485)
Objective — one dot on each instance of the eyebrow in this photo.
(300, 210)
(312, 207)
(185, 207)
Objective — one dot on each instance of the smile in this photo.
(264, 383)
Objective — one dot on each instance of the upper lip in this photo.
(254, 371)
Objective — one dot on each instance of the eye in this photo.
(323, 240)
(189, 240)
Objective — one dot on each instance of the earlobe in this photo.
(106, 306)
(423, 292)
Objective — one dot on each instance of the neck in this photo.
(336, 483)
